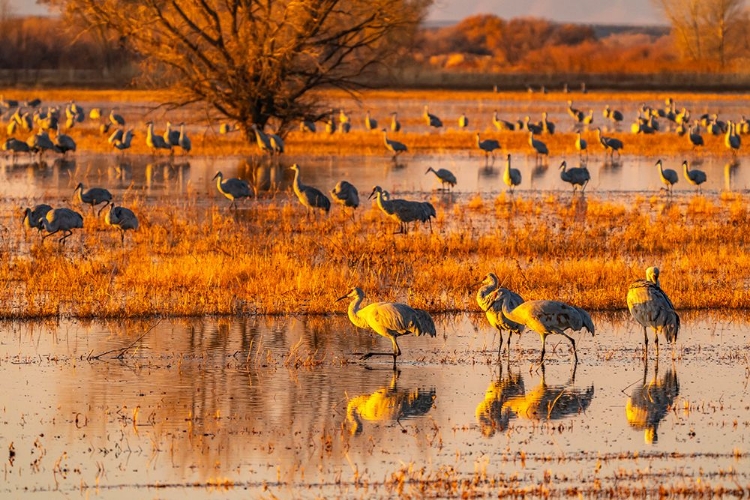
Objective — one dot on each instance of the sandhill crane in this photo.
(491, 413)
(511, 176)
(488, 146)
(650, 307)
(32, 217)
(395, 124)
(389, 320)
(232, 188)
(184, 141)
(307, 125)
(610, 144)
(695, 177)
(262, 140)
(651, 402)
(547, 317)
(154, 141)
(64, 142)
(444, 175)
(493, 307)
(388, 403)
(539, 147)
(668, 176)
(93, 196)
(531, 127)
(575, 113)
(170, 135)
(343, 117)
(501, 125)
(576, 176)
(581, 145)
(8, 103)
(15, 146)
(277, 143)
(115, 119)
(695, 137)
(732, 139)
(122, 218)
(117, 135)
(612, 114)
(394, 147)
(345, 194)
(547, 126)
(430, 119)
(370, 122)
(463, 121)
(309, 196)
(124, 142)
(589, 118)
(403, 211)
(61, 219)
(40, 142)
(226, 128)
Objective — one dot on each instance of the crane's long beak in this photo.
(342, 298)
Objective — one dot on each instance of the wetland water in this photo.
(280, 406)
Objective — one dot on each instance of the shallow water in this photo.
(282, 403)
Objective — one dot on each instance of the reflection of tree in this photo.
(491, 414)
(551, 402)
(388, 403)
(649, 403)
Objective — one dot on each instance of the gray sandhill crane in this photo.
(547, 317)
(488, 146)
(184, 141)
(581, 145)
(394, 147)
(64, 142)
(40, 142)
(116, 136)
(610, 144)
(651, 401)
(370, 122)
(395, 124)
(511, 176)
(309, 196)
(61, 219)
(345, 194)
(493, 307)
(669, 177)
(589, 118)
(388, 319)
(124, 142)
(15, 146)
(463, 121)
(233, 188)
(277, 143)
(539, 147)
(732, 139)
(502, 125)
(430, 119)
(695, 137)
(262, 140)
(575, 113)
(93, 196)
(531, 127)
(330, 123)
(115, 119)
(651, 308)
(575, 176)
(8, 103)
(612, 114)
(547, 126)
(32, 217)
(307, 125)
(122, 218)
(403, 211)
(171, 136)
(695, 177)
(156, 142)
(444, 175)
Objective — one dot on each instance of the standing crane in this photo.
(309, 196)
(388, 319)
(575, 113)
(581, 145)
(394, 147)
(154, 141)
(15, 146)
(370, 122)
(32, 217)
(488, 146)
(444, 175)
(492, 305)
(539, 147)
(651, 308)
(124, 141)
(732, 140)
(547, 317)
(612, 114)
(668, 176)
(395, 124)
(64, 142)
(184, 141)
(575, 176)
(93, 196)
(430, 119)
(171, 136)
(502, 125)
(232, 188)
(511, 176)
(61, 219)
(695, 177)
(345, 194)
(463, 121)
(122, 218)
(610, 144)
(403, 211)
(115, 119)
(695, 137)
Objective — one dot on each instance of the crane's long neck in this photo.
(297, 184)
(483, 298)
(79, 194)
(219, 180)
(385, 138)
(382, 204)
(150, 131)
(354, 313)
(509, 312)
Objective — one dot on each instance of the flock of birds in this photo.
(507, 311)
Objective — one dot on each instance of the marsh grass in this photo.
(189, 259)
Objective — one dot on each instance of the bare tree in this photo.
(257, 60)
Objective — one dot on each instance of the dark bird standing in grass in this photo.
(122, 218)
(61, 219)
(93, 196)
(232, 188)
(651, 308)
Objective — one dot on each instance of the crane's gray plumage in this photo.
(154, 141)
(581, 144)
(394, 147)
(695, 137)
(122, 218)
(32, 217)
(370, 122)
(732, 140)
(309, 196)
(15, 146)
(488, 146)
(232, 188)
(695, 177)
(115, 119)
(184, 141)
(511, 176)
(650, 307)
(444, 175)
(432, 120)
(576, 176)
(403, 211)
(539, 146)
(64, 142)
(61, 219)
(388, 319)
(609, 144)
(612, 114)
(124, 141)
(117, 135)
(492, 305)
(40, 142)
(93, 196)
(502, 125)
(668, 176)
(171, 136)
(395, 124)
(345, 194)
(547, 317)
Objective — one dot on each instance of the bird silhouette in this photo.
(668, 176)
(370, 122)
(122, 218)
(430, 119)
(403, 211)
(184, 141)
(394, 147)
(538, 146)
(492, 305)
(388, 319)
(345, 194)
(444, 175)
(309, 196)
(576, 176)
(32, 217)
(651, 308)
(695, 177)
(610, 144)
(156, 142)
(93, 196)
(581, 145)
(488, 146)
(233, 189)
(61, 219)
(511, 176)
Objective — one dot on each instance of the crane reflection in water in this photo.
(650, 402)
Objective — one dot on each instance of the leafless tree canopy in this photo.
(254, 60)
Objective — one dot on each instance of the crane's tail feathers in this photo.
(423, 324)
(586, 320)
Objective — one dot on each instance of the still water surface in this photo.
(281, 403)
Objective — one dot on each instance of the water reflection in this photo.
(551, 402)
(491, 413)
(730, 172)
(388, 404)
(650, 402)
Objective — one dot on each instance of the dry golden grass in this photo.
(188, 259)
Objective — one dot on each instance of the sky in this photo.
(637, 12)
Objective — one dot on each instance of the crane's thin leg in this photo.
(510, 334)
(500, 346)
(656, 343)
(541, 358)
(573, 343)
(49, 234)
(645, 341)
